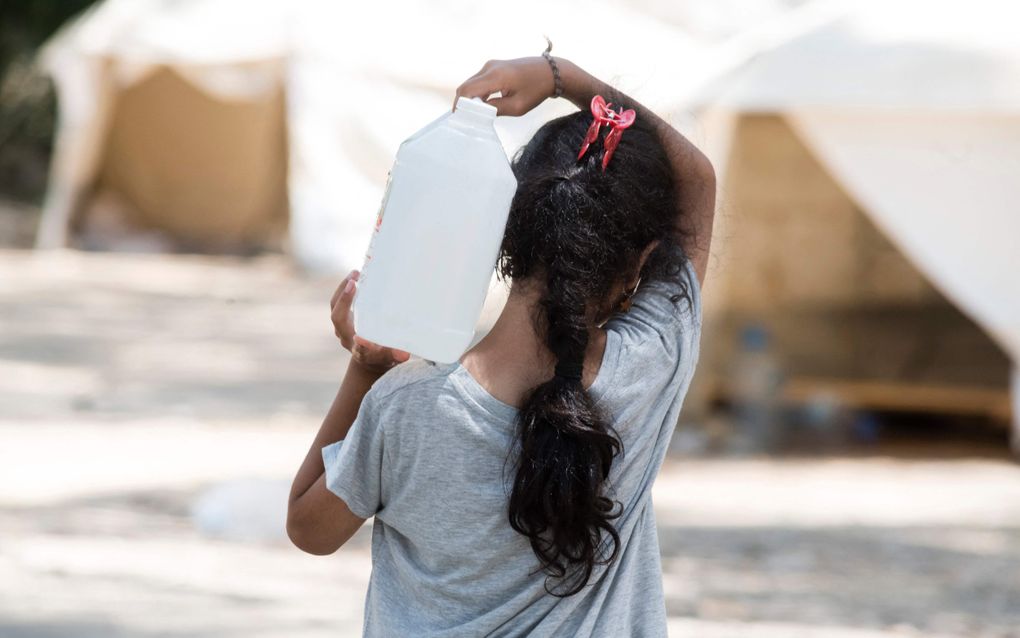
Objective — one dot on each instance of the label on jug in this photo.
(378, 218)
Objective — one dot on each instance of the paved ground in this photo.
(153, 411)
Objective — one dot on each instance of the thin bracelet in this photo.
(558, 90)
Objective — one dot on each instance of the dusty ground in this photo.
(153, 411)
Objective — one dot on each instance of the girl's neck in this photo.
(513, 358)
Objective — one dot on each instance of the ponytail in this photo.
(566, 451)
(577, 233)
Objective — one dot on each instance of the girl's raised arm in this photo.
(524, 83)
(695, 176)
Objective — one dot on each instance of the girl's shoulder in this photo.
(408, 376)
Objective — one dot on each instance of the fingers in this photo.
(481, 86)
(507, 105)
(361, 351)
(343, 321)
(354, 274)
(367, 348)
(336, 294)
(494, 81)
(470, 85)
(364, 351)
(375, 354)
(400, 355)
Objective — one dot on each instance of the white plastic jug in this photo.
(437, 236)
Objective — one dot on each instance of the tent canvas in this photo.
(888, 94)
(914, 108)
(351, 95)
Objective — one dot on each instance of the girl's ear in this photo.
(641, 263)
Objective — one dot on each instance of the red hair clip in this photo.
(617, 121)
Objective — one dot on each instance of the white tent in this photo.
(912, 105)
(356, 82)
(914, 108)
(231, 84)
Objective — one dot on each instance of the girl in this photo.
(511, 489)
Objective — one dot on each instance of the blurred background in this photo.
(183, 183)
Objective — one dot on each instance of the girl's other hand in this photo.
(367, 354)
(523, 84)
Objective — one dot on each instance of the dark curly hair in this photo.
(578, 233)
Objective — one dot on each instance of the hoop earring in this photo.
(627, 297)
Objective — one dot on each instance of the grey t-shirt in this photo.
(426, 456)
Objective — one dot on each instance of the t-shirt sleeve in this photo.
(354, 465)
(654, 315)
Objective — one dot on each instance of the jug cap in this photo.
(477, 106)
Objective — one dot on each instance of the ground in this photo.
(153, 411)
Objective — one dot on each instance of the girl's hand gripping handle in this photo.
(365, 353)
